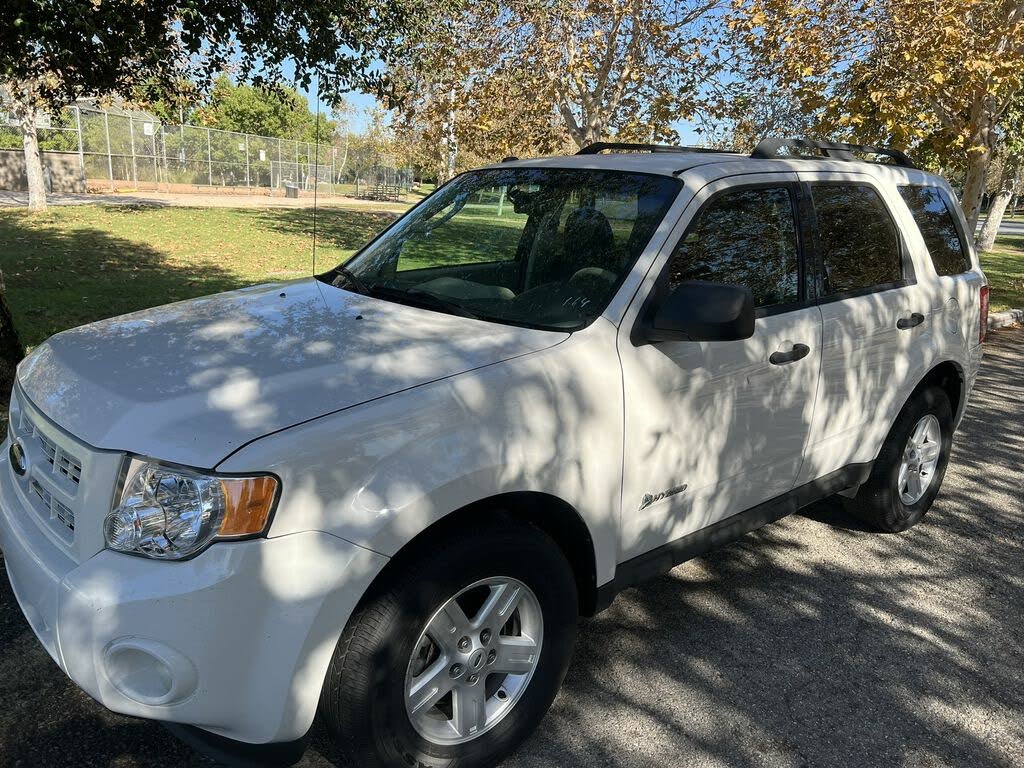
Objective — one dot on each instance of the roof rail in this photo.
(769, 148)
(600, 146)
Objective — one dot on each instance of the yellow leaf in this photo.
(938, 77)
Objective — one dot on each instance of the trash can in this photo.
(291, 189)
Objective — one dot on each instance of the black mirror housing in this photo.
(702, 311)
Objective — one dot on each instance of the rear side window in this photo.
(744, 237)
(860, 246)
(934, 217)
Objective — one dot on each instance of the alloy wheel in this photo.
(474, 660)
(920, 458)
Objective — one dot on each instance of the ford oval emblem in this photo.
(19, 459)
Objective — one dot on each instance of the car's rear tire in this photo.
(908, 472)
(402, 648)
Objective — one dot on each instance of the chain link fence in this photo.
(120, 149)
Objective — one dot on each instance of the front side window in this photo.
(540, 247)
(745, 237)
(860, 247)
(931, 211)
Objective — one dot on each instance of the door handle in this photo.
(798, 352)
(910, 322)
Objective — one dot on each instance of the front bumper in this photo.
(236, 641)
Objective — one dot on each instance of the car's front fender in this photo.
(380, 474)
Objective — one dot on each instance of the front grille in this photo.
(61, 461)
(68, 487)
(54, 482)
(59, 511)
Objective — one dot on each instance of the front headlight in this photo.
(169, 513)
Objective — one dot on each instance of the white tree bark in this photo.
(33, 165)
(23, 100)
(449, 141)
(980, 151)
(987, 237)
(974, 186)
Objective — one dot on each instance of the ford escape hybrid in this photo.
(384, 494)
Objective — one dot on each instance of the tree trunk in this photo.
(987, 237)
(11, 350)
(974, 186)
(589, 135)
(27, 115)
(344, 157)
(449, 141)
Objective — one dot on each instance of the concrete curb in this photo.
(1004, 319)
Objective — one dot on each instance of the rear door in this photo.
(955, 294)
(714, 428)
(873, 312)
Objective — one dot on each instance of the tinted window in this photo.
(938, 228)
(859, 242)
(746, 237)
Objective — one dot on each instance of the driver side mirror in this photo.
(701, 311)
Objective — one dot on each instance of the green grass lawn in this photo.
(1004, 268)
(73, 265)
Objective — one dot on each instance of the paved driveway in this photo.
(810, 642)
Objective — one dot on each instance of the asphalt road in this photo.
(1011, 228)
(810, 642)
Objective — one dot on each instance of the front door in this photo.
(714, 428)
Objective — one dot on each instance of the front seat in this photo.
(589, 247)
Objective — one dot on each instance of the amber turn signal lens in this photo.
(247, 504)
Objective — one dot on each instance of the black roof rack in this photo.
(600, 146)
(769, 148)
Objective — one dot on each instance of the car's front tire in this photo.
(455, 657)
(908, 472)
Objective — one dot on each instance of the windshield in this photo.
(539, 247)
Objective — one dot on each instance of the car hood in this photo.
(193, 381)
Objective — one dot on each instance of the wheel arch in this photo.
(948, 376)
(551, 514)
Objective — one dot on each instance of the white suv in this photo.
(387, 492)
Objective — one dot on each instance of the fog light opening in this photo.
(149, 673)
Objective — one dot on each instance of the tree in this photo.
(25, 105)
(374, 146)
(626, 66)
(762, 112)
(456, 49)
(942, 73)
(54, 51)
(514, 77)
(280, 112)
(1010, 178)
(1011, 184)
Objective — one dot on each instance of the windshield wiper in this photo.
(354, 281)
(426, 299)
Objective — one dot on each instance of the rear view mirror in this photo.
(700, 311)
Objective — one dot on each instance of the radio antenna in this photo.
(316, 165)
